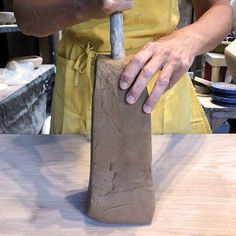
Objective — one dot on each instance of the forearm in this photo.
(210, 29)
(42, 18)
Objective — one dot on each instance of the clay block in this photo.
(121, 187)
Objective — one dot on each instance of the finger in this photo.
(159, 88)
(125, 5)
(177, 74)
(146, 74)
(134, 67)
(111, 6)
(174, 79)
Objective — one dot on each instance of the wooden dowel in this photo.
(117, 36)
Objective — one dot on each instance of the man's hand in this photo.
(102, 8)
(108, 7)
(173, 55)
(33, 16)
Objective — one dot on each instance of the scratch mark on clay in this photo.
(114, 207)
(113, 185)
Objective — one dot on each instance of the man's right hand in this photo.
(33, 16)
(103, 8)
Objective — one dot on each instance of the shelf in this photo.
(40, 75)
(9, 28)
(23, 108)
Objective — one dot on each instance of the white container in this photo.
(7, 18)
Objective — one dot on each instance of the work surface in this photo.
(44, 180)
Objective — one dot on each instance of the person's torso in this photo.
(147, 21)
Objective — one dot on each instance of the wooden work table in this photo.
(44, 180)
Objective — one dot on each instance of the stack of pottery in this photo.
(223, 93)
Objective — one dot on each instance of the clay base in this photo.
(121, 188)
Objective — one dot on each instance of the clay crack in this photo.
(131, 189)
(114, 207)
(113, 184)
(96, 145)
(113, 188)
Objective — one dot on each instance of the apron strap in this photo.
(84, 62)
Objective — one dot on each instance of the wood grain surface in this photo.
(44, 181)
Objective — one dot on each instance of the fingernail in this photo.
(124, 85)
(130, 99)
(147, 109)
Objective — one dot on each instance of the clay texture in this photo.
(121, 188)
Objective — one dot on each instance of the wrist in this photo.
(192, 39)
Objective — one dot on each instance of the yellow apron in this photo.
(178, 111)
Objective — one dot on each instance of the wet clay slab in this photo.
(121, 188)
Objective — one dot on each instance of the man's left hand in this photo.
(172, 55)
